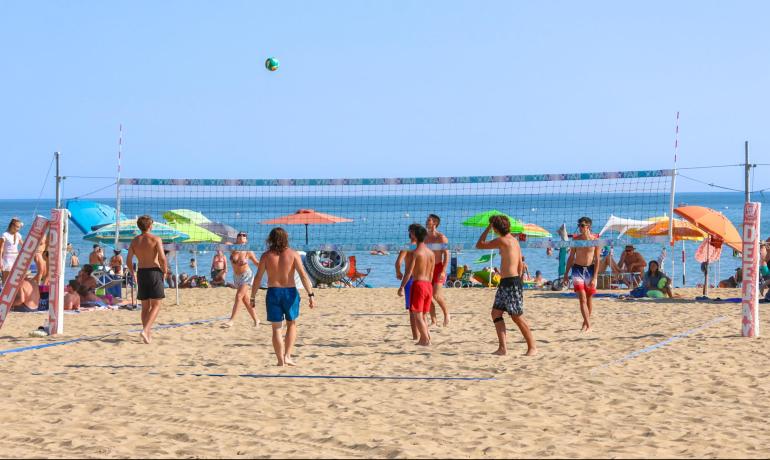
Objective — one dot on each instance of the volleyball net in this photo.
(373, 213)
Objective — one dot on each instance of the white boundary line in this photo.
(661, 344)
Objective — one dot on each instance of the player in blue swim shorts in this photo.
(281, 263)
(282, 303)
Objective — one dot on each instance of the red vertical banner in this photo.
(20, 267)
(750, 264)
(57, 244)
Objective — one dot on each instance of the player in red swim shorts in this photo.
(420, 270)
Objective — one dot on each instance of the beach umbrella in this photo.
(682, 230)
(306, 217)
(482, 220)
(195, 233)
(485, 258)
(129, 230)
(88, 216)
(185, 216)
(535, 231)
(714, 223)
(227, 233)
(717, 226)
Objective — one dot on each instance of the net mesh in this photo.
(373, 214)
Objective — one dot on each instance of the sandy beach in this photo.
(700, 394)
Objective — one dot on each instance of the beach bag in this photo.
(638, 292)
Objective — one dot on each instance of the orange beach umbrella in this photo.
(682, 230)
(714, 223)
(306, 217)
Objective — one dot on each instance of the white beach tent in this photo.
(622, 225)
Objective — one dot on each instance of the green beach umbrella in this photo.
(485, 258)
(196, 233)
(482, 220)
(185, 216)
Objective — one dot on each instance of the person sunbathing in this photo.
(27, 297)
(734, 281)
(87, 284)
(71, 296)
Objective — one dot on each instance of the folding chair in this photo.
(354, 278)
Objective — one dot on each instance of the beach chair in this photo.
(354, 278)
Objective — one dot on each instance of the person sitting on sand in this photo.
(405, 257)
(153, 266)
(581, 266)
(734, 281)
(280, 262)
(87, 284)
(657, 282)
(242, 278)
(538, 280)
(27, 297)
(510, 291)
(219, 269)
(421, 271)
(71, 296)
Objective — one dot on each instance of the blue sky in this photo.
(379, 88)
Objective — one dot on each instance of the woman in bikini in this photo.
(242, 278)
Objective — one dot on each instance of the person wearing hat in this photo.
(633, 263)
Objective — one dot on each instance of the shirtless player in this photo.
(405, 257)
(242, 278)
(581, 265)
(442, 258)
(153, 266)
(510, 292)
(280, 262)
(420, 269)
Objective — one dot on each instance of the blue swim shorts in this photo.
(408, 293)
(282, 303)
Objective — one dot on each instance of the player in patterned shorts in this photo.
(581, 265)
(510, 295)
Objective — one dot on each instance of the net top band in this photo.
(400, 180)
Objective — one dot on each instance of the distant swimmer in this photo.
(405, 257)
(153, 266)
(280, 262)
(420, 270)
(581, 266)
(242, 278)
(442, 258)
(509, 297)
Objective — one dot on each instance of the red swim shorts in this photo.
(439, 274)
(422, 294)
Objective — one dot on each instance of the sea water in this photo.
(378, 213)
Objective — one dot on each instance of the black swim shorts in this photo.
(510, 296)
(150, 281)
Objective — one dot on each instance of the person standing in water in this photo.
(280, 262)
(153, 266)
(242, 278)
